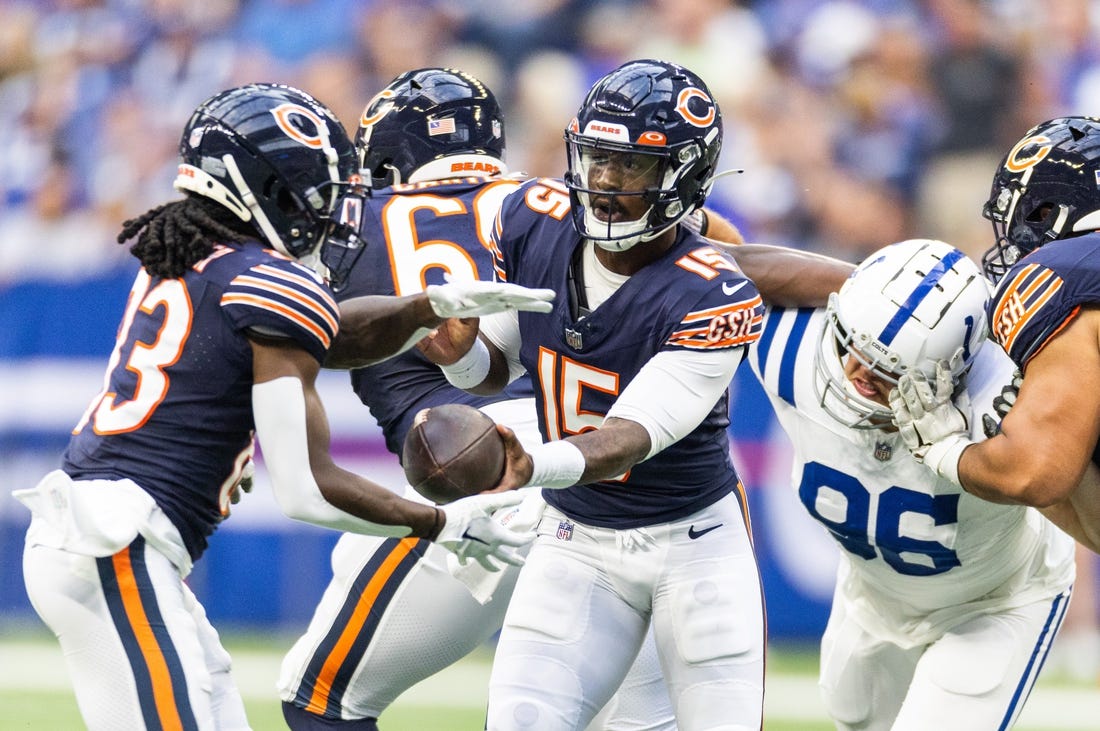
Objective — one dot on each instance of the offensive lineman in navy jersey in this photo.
(648, 524)
(1045, 209)
(223, 335)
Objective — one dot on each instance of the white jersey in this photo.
(919, 554)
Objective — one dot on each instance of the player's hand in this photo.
(1004, 402)
(933, 428)
(474, 298)
(517, 462)
(248, 477)
(450, 341)
(471, 532)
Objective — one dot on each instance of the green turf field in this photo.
(34, 692)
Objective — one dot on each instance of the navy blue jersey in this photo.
(692, 298)
(415, 232)
(1042, 293)
(175, 414)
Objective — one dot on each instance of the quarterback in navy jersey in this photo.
(1045, 209)
(223, 336)
(646, 521)
(419, 222)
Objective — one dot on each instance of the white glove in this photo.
(474, 298)
(933, 428)
(471, 532)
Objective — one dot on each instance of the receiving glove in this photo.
(1003, 403)
(472, 532)
(933, 428)
(474, 298)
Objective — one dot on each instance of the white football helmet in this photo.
(905, 307)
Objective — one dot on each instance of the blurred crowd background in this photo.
(856, 122)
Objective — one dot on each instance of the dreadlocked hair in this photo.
(175, 236)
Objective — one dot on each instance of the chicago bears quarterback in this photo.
(223, 335)
(945, 605)
(432, 143)
(1045, 209)
(647, 524)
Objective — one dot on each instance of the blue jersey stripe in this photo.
(790, 355)
(1038, 657)
(763, 348)
(917, 296)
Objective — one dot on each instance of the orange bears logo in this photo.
(1016, 162)
(287, 116)
(707, 109)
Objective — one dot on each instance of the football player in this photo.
(646, 522)
(1045, 209)
(432, 143)
(945, 605)
(223, 335)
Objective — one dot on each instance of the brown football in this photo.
(452, 451)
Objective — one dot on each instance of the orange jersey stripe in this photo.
(290, 293)
(319, 700)
(263, 303)
(304, 280)
(163, 694)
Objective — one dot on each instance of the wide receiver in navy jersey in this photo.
(646, 521)
(222, 337)
(1045, 208)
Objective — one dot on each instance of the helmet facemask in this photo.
(604, 177)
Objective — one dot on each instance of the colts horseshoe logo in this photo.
(284, 117)
(685, 97)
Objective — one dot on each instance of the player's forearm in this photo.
(1000, 471)
(612, 449)
(788, 277)
(374, 328)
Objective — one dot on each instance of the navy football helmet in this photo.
(651, 120)
(274, 156)
(1047, 188)
(423, 116)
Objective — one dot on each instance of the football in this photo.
(452, 451)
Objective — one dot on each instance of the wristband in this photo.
(557, 464)
(471, 369)
(944, 457)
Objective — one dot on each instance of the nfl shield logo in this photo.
(883, 451)
(574, 339)
(565, 531)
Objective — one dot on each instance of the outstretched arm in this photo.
(789, 277)
(785, 277)
(374, 328)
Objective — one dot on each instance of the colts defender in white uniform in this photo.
(945, 605)
(433, 144)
